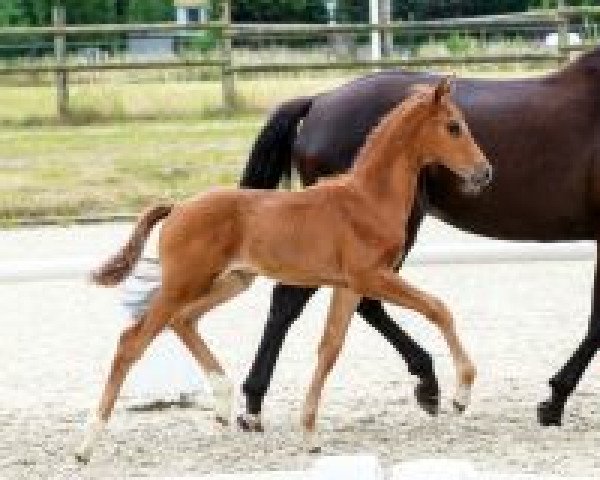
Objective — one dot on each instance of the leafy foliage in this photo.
(39, 12)
(150, 10)
(280, 11)
(12, 13)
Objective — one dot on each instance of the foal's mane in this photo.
(421, 93)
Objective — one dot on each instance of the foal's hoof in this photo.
(222, 421)
(550, 413)
(249, 423)
(312, 443)
(462, 398)
(427, 393)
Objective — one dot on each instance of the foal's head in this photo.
(444, 138)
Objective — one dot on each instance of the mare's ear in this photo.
(443, 88)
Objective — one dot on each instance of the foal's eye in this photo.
(454, 128)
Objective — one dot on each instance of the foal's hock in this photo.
(346, 233)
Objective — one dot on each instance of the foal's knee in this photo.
(329, 350)
(439, 313)
(127, 346)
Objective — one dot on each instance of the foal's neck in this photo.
(387, 166)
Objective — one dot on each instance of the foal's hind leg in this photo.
(343, 305)
(184, 325)
(132, 343)
(389, 286)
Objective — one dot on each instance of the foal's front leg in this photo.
(388, 286)
(343, 305)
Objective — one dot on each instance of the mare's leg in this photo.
(286, 305)
(418, 361)
(343, 305)
(550, 411)
(184, 325)
(132, 343)
(389, 286)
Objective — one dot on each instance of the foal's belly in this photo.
(290, 274)
(298, 244)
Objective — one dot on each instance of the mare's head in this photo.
(443, 137)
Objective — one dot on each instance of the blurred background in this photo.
(106, 105)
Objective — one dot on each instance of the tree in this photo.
(150, 10)
(431, 9)
(90, 11)
(279, 11)
(39, 12)
(12, 12)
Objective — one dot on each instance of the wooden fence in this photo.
(552, 20)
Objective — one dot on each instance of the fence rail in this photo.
(557, 19)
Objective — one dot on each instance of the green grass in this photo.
(65, 170)
(117, 102)
(121, 161)
(110, 102)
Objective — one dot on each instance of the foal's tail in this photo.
(271, 155)
(119, 266)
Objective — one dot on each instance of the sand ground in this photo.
(519, 321)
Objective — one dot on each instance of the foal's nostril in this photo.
(484, 175)
(488, 174)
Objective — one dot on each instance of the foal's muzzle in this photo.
(479, 179)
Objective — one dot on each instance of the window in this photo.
(193, 15)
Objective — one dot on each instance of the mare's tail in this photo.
(271, 155)
(119, 266)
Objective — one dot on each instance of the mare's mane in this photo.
(420, 93)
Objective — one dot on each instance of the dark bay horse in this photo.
(542, 136)
(345, 232)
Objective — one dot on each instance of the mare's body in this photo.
(542, 136)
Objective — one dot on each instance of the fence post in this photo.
(385, 17)
(59, 19)
(375, 34)
(227, 75)
(563, 29)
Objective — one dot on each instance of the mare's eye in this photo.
(454, 128)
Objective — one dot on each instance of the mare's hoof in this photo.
(248, 424)
(427, 393)
(458, 407)
(81, 458)
(550, 413)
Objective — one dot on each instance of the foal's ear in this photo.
(443, 88)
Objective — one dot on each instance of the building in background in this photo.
(191, 11)
(186, 12)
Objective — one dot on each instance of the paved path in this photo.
(521, 322)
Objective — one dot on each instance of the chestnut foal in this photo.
(346, 232)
